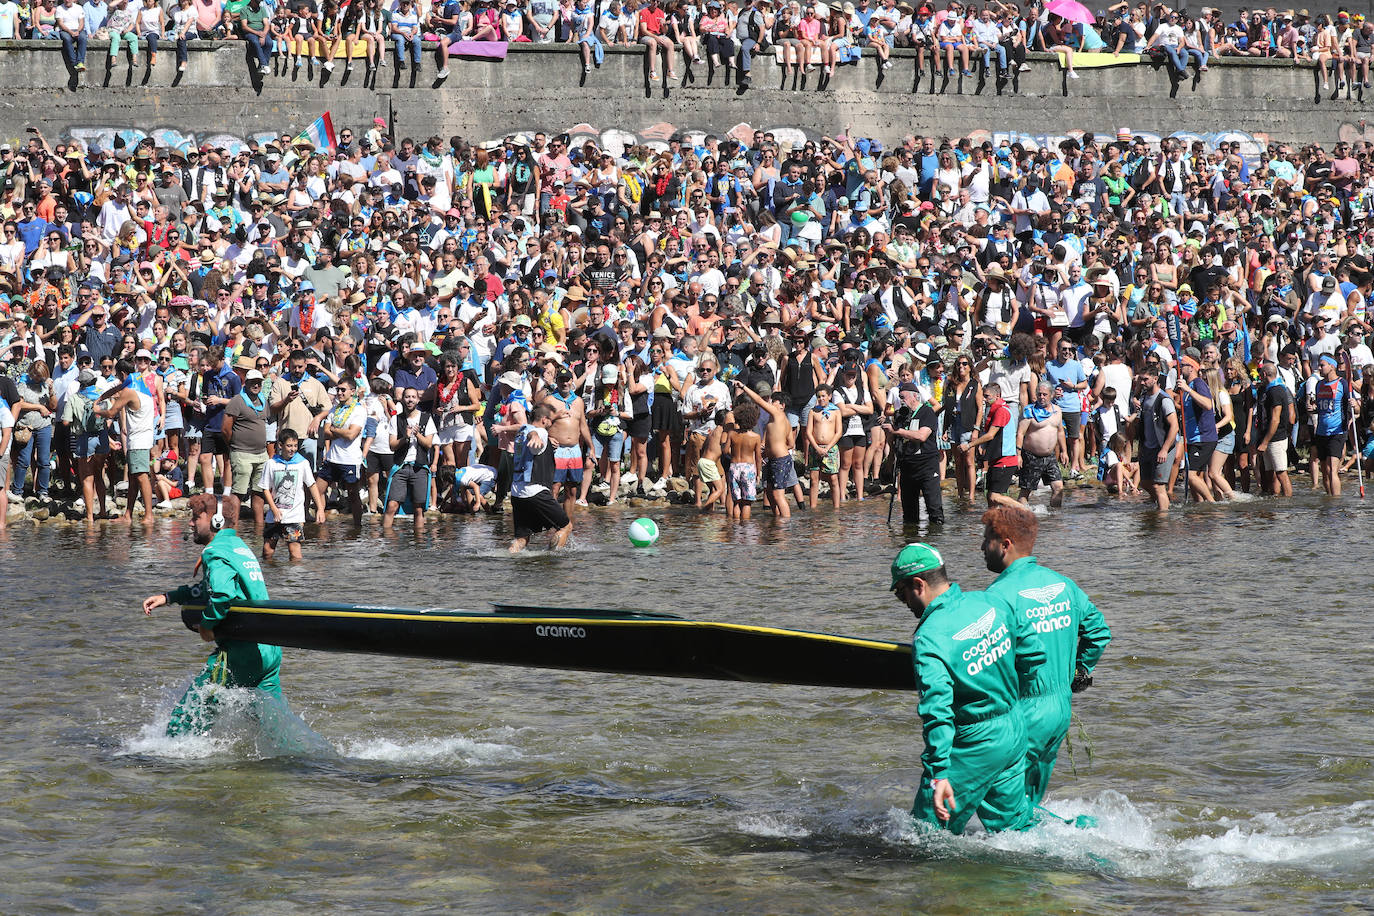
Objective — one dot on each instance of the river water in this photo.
(1225, 750)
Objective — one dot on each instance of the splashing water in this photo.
(431, 751)
(1136, 841)
(247, 724)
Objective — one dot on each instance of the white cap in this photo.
(609, 373)
(144, 354)
(252, 376)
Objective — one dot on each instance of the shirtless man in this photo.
(823, 449)
(745, 457)
(1038, 439)
(779, 471)
(569, 435)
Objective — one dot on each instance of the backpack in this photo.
(1097, 422)
(1156, 415)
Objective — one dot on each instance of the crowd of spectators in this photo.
(952, 40)
(697, 315)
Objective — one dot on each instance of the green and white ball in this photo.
(643, 532)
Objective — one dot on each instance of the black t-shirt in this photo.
(915, 453)
(1277, 395)
(602, 277)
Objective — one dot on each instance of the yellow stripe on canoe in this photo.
(598, 621)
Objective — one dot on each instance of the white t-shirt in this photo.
(523, 488)
(287, 482)
(696, 398)
(381, 441)
(1009, 380)
(340, 450)
(1118, 376)
(72, 17)
(9, 19)
(393, 428)
(482, 475)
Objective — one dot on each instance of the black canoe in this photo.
(624, 642)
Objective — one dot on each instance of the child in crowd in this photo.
(745, 457)
(709, 472)
(286, 478)
(169, 482)
(471, 484)
(1121, 475)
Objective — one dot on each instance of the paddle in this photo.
(1354, 432)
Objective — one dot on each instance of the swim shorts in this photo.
(780, 473)
(829, 463)
(567, 464)
(708, 470)
(744, 481)
(1038, 469)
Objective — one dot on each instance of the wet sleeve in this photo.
(186, 594)
(936, 707)
(1093, 632)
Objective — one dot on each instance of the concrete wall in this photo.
(544, 88)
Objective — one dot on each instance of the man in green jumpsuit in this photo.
(970, 660)
(1070, 627)
(231, 575)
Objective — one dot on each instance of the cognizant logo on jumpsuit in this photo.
(1051, 615)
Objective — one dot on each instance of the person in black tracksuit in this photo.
(918, 457)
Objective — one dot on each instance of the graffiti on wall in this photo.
(1251, 145)
(656, 136)
(103, 138)
(616, 140)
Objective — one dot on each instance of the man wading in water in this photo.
(231, 575)
(1038, 438)
(973, 659)
(1070, 626)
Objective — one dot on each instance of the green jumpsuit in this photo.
(970, 662)
(1074, 635)
(231, 575)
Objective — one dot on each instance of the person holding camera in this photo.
(914, 443)
(300, 403)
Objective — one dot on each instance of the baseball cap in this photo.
(144, 354)
(909, 386)
(253, 376)
(913, 560)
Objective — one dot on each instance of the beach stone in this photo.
(677, 484)
(41, 514)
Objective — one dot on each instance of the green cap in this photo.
(914, 560)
